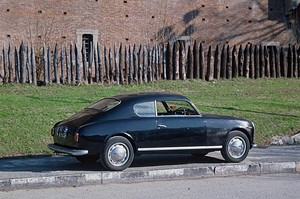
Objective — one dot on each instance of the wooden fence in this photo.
(144, 63)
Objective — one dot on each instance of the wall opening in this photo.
(87, 42)
(89, 39)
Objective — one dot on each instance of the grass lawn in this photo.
(27, 112)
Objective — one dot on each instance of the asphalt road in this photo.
(43, 170)
(279, 186)
(48, 165)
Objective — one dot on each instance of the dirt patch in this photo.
(290, 90)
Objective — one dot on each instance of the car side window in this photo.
(175, 107)
(145, 109)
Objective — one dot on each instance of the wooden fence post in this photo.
(289, 62)
(223, 63)
(282, 63)
(277, 62)
(135, 64)
(100, 63)
(49, 55)
(22, 63)
(182, 61)
(127, 69)
(157, 62)
(72, 62)
(128, 65)
(190, 63)
(90, 63)
(295, 62)
(256, 62)
(140, 65)
(196, 60)
(169, 62)
(234, 63)
(153, 60)
(77, 58)
(164, 64)
(112, 70)
(272, 62)
(217, 68)
(298, 58)
(144, 67)
(17, 74)
(203, 69)
(55, 58)
(175, 61)
(10, 65)
(68, 75)
(106, 67)
(28, 63)
(251, 62)
(210, 74)
(117, 66)
(84, 64)
(96, 62)
(262, 61)
(228, 64)
(240, 62)
(246, 61)
(4, 65)
(267, 62)
(62, 70)
(45, 65)
(149, 64)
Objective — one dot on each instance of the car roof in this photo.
(150, 96)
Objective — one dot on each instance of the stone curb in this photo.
(152, 175)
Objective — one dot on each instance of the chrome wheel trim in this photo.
(237, 147)
(118, 154)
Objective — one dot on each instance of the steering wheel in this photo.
(180, 110)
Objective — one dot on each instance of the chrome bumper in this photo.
(61, 149)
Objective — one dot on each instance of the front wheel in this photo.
(117, 154)
(236, 147)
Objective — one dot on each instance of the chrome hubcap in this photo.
(118, 154)
(237, 147)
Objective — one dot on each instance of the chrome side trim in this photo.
(179, 148)
(61, 149)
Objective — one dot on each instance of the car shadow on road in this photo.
(51, 164)
(166, 160)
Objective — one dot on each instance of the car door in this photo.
(144, 126)
(179, 125)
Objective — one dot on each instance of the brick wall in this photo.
(142, 21)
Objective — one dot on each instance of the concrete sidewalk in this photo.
(48, 171)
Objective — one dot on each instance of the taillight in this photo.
(76, 137)
(52, 132)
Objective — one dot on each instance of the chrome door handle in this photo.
(161, 126)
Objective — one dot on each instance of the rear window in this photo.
(105, 104)
(145, 109)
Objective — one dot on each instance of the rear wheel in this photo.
(118, 154)
(236, 147)
(87, 159)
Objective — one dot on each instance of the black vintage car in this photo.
(115, 129)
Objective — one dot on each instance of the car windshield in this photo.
(105, 104)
